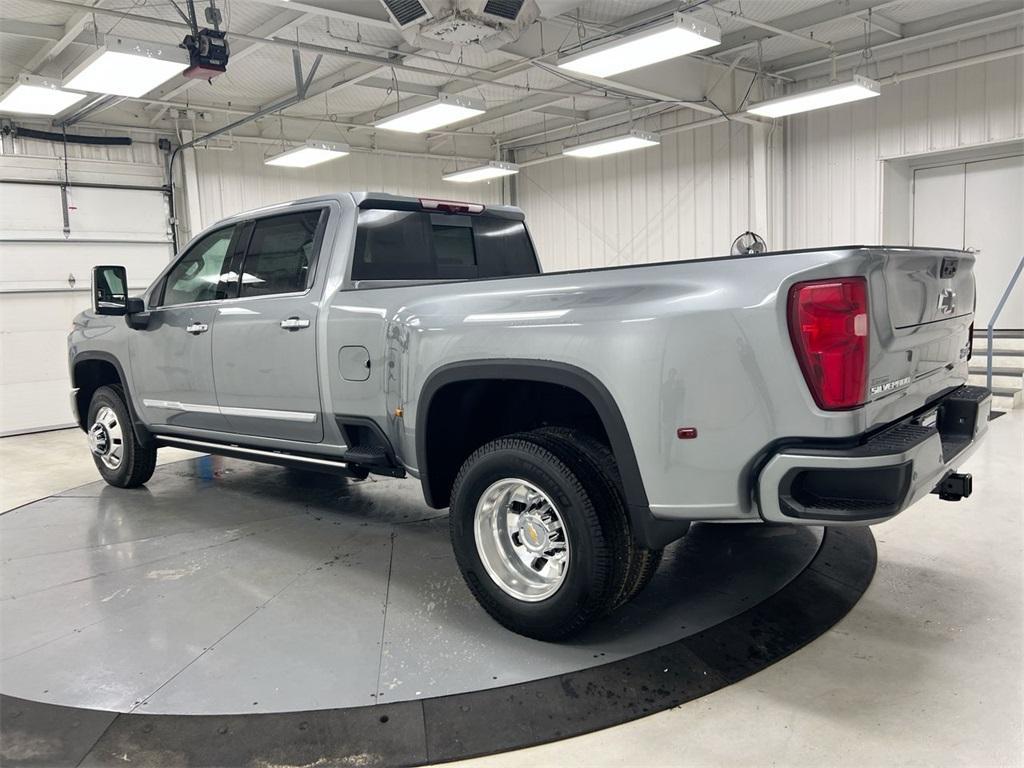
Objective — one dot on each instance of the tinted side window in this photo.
(197, 276)
(392, 245)
(504, 248)
(282, 254)
(413, 245)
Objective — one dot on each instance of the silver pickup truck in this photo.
(575, 423)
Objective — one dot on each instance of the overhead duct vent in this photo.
(442, 25)
(406, 12)
(504, 9)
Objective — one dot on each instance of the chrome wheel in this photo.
(522, 539)
(106, 439)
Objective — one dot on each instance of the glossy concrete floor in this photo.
(926, 670)
(226, 587)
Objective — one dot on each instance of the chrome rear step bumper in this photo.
(883, 475)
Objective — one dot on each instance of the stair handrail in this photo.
(995, 316)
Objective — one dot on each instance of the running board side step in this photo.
(342, 464)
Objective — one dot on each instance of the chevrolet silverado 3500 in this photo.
(576, 422)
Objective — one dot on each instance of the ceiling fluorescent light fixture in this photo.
(602, 147)
(492, 170)
(842, 93)
(446, 110)
(681, 35)
(310, 153)
(126, 67)
(31, 95)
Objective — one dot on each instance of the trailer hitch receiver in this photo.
(954, 486)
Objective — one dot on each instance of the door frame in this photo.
(896, 212)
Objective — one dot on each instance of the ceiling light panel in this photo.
(682, 35)
(126, 67)
(615, 144)
(492, 170)
(32, 95)
(448, 109)
(311, 153)
(819, 98)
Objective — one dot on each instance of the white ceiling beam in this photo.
(882, 24)
(383, 83)
(372, 12)
(73, 27)
(31, 29)
(559, 112)
(794, 22)
(922, 32)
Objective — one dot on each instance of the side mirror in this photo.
(109, 290)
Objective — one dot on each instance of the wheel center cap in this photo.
(533, 533)
(99, 440)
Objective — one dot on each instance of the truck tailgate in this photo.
(922, 308)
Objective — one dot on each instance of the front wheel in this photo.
(531, 537)
(122, 460)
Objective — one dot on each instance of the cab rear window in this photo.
(417, 245)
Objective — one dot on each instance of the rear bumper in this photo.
(882, 475)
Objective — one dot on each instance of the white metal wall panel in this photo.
(687, 198)
(696, 191)
(232, 181)
(833, 174)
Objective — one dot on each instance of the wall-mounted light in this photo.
(681, 35)
(448, 109)
(31, 95)
(841, 93)
(310, 153)
(610, 146)
(491, 170)
(126, 67)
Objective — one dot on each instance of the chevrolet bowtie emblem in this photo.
(947, 301)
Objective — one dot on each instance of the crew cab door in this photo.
(171, 358)
(264, 345)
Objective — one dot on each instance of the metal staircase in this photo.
(1005, 378)
(1007, 367)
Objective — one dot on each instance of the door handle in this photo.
(196, 328)
(294, 324)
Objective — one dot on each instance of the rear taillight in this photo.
(828, 324)
(970, 342)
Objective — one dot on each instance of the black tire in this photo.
(137, 460)
(642, 562)
(592, 579)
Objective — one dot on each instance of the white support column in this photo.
(191, 195)
(758, 201)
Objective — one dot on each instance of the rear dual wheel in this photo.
(541, 533)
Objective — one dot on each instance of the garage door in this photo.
(44, 283)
